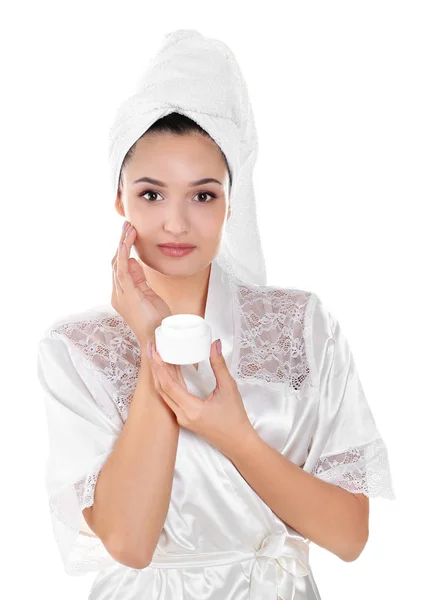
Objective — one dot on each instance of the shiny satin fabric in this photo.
(219, 540)
(280, 567)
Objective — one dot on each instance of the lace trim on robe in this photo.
(269, 341)
(360, 470)
(109, 350)
(271, 347)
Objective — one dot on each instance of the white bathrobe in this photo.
(301, 391)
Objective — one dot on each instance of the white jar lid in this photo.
(183, 339)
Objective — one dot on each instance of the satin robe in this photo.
(220, 541)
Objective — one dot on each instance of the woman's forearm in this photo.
(323, 513)
(133, 489)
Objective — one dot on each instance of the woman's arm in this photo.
(324, 513)
(132, 492)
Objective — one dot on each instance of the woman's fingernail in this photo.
(125, 225)
(219, 346)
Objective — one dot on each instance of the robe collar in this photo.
(219, 315)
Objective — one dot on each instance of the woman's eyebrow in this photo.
(162, 184)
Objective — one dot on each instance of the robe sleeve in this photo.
(346, 448)
(81, 437)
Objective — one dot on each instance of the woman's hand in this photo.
(132, 297)
(220, 418)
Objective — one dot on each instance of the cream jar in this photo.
(183, 339)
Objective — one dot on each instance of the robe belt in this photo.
(280, 559)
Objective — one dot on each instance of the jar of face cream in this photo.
(183, 339)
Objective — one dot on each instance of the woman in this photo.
(202, 481)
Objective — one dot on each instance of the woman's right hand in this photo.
(132, 297)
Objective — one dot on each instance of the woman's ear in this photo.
(118, 204)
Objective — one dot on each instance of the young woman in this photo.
(204, 481)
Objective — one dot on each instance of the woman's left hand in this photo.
(220, 418)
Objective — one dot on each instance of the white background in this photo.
(336, 89)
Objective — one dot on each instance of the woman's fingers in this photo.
(117, 288)
(121, 265)
(138, 275)
(116, 285)
(180, 376)
(122, 237)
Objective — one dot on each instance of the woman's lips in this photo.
(175, 251)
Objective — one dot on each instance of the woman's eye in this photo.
(202, 201)
(205, 194)
(148, 192)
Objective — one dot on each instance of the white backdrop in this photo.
(336, 88)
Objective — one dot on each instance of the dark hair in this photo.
(179, 125)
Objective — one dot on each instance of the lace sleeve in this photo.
(346, 448)
(85, 489)
(363, 469)
(81, 437)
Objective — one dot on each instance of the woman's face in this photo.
(177, 209)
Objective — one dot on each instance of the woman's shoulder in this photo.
(95, 346)
(99, 326)
(294, 302)
(273, 325)
(98, 316)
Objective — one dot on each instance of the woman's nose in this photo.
(176, 220)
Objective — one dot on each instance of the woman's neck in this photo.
(183, 295)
